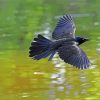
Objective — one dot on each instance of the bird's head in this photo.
(81, 40)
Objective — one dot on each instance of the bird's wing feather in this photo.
(65, 28)
(74, 55)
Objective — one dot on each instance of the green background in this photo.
(21, 77)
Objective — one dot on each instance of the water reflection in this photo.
(23, 78)
(62, 85)
(55, 80)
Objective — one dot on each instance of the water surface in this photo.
(23, 78)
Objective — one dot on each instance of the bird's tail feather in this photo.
(40, 48)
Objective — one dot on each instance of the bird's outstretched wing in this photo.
(74, 55)
(65, 28)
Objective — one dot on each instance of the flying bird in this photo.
(64, 42)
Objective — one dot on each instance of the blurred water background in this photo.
(21, 78)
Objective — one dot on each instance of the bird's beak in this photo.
(86, 39)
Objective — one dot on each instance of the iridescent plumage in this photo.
(64, 42)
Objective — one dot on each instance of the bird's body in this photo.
(64, 42)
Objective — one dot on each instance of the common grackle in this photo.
(64, 42)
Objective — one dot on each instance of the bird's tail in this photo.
(41, 47)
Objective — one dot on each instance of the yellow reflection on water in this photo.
(23, 78)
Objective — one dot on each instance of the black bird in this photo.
(64, 42)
